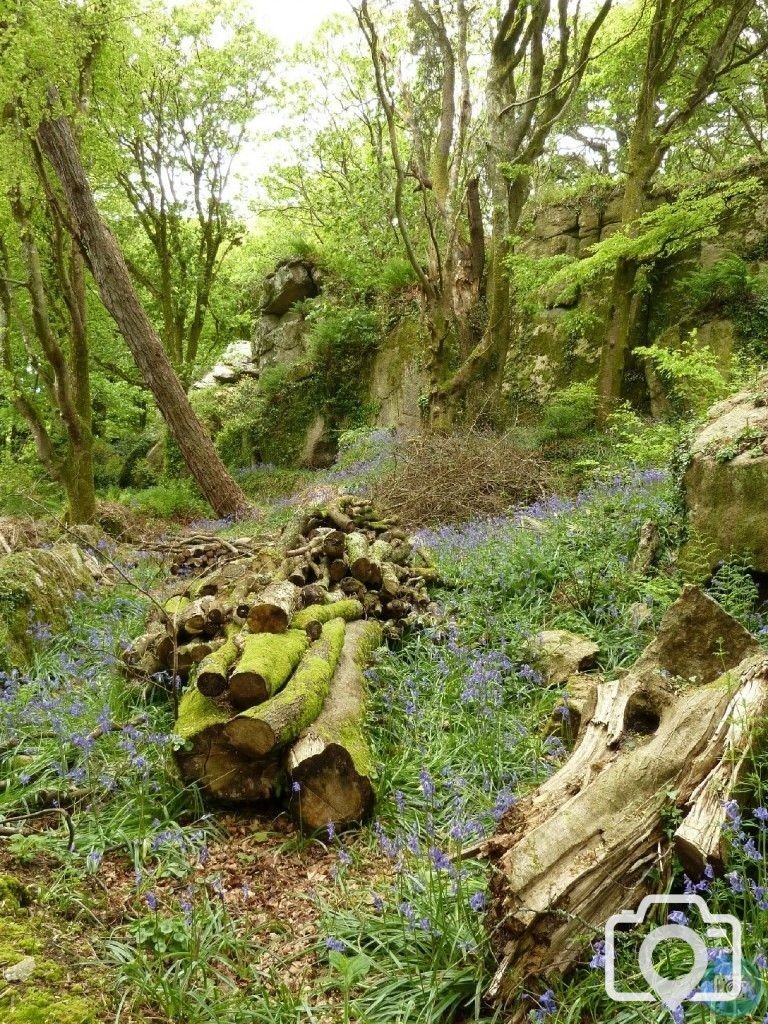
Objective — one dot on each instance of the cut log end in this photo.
(331, 789)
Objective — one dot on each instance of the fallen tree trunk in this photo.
(259, 730)
(267, 661)
(587, 842)
(213, 674)
(331, 761)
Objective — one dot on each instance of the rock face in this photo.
(726, 484)
(37, 586)
(237, 361)
(290, 283)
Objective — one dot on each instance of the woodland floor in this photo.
(165, 912)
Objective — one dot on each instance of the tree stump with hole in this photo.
(670, 736)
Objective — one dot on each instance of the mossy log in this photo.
(390, 582)
(331, 761)
(213, 674)
(274, 608)
(209, 761)
(339, 519)
(349, 610)
(259, 730)
(362, 565)
(334, 544)
(267, 661)
(667, 738)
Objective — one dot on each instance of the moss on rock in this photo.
(37, 585)
(13, 895)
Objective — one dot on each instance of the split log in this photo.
(192, 654)
(208, 760)
(275, 606)
(281, 719)
(587, 842)
(265, 666)
(141, 657)
(212, 676)
(331, 761)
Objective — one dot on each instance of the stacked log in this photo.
(273, 646)
(191, 553)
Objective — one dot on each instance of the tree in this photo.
(177, 112)
(113, 280)
(537, 60)
(691, 49)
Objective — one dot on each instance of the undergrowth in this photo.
(462, 726)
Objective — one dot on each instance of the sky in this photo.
(294, 21)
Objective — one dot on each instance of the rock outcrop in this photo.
(726, 483)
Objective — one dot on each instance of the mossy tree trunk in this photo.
(54, 314)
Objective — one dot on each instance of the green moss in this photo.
(273, 656)
(13, 895)
(40, 1000)
(38, 1007)
(301, 701)
(347, 610)
(221, 660)
(176, 605)
(197, 713)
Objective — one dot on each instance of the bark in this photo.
(589, 840)
(331, 761)
(113, 280)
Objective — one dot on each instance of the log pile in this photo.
(669, 739)
(193, 553)
(274, 646)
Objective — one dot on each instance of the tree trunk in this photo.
(331, 764)
(670, 737)
(113, 280)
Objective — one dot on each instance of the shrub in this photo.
(639, 443)
(570, 412)
(690, 375)
(453, 478)
(396, 274)
(172, 499)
